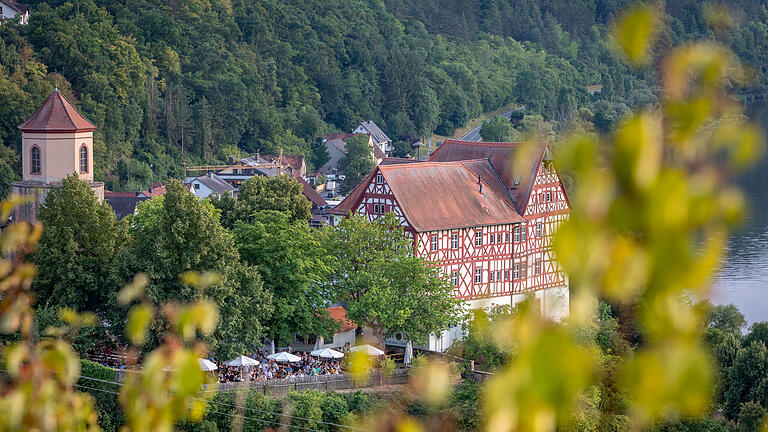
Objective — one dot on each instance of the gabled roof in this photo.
(17, 6)
(515, 163)
(376, 133)
(310, 193)
(443, 195)
(215, 183)
(57, 115)
(123, 205)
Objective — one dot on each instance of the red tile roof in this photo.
(310, 193)
(110, 194)
(57, 115)
(509, 160)
(443, 195)
(339, 314)
(397, 160)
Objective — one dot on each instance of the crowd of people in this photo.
(267, 369)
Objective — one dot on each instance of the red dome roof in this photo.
(57, 115)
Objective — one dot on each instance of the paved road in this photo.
(474, 134)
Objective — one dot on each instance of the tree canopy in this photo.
(357, 163)
(177, 233)
(383, 285)
(259, 193)
(290, 260)
(77, 250)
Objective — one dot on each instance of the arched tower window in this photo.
(83, 159)
(34, 167)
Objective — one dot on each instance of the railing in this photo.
(321, 383)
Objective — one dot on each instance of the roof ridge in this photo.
(66, 111)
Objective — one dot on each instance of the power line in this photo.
(245, 407)
(210, 411)
(219, 403)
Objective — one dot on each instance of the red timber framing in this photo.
(484, 260)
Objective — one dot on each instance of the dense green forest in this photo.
(197, 80)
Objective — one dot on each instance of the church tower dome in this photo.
(56, 141)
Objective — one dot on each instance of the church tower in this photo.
(57, 141)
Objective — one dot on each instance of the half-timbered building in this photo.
(485, 213)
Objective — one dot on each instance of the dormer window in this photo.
(379, 178)
(34, 166)
(83, 159)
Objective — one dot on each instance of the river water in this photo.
(743, 278)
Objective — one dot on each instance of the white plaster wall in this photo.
(59, 153)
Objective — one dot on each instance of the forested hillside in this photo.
(197, 80)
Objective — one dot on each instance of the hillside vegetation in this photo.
(197, 80)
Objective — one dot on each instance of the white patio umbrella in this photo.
(368, 349)
(408, 358)
(206, 365)
(327, 353)
(284, 357)
(241, 361)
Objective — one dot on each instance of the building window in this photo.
(479, 275)
(83, 159)
(537, 267)
(479, 238)
(379, 178)
(455, 278)
(517, 234)
(523, 232)
(506, 274)
(549, 196)
(34, 167)
(498, 238)
(538, 230)
(197, 186)
(506, 237)
(491, 238)
(516, 272)
(498, 275)
(454, 241)
(375, 209)
(433, 243)
(490, 276)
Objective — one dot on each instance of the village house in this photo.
(10, 9)
(484, 213)
(210, 184)
(336, 145)
(380, 139)
(56, 141)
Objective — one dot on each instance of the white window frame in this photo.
(490, 276)
(478, 275)
(517, 234)
(516, 272)
(537, 266)
(379, 178)
(479, 237)
(433, 243)
(549, 196)
(454, 240)
(375, 208)
(539, 230)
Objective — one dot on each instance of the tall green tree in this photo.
(497, 129)
(260, 193)
(177, 233)
(357, 163)
(291, 261)
(77, 250)
(726, 318)
(383, 285)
